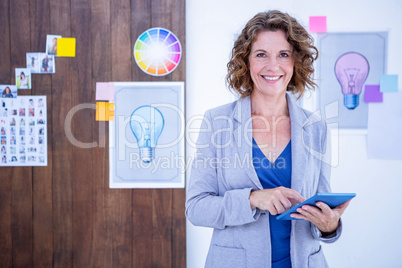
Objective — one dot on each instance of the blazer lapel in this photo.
(300, 155)
(243, 138)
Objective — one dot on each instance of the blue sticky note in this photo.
(389, 83)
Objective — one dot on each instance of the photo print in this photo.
(40, 63)
(23, 78)
(51, 44)
(33, 62)
(8, 91)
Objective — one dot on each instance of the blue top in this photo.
(273, 175)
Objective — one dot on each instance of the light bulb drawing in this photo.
(351, 70)
(147, 123)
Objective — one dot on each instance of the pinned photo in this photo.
(8, 91)
(23, 78)
(33, 62)
(51, 44)
(40, 63)
(46, 63)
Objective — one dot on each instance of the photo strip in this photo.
(40, 63)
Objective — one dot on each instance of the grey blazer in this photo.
(223, 176)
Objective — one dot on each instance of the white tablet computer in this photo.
(331, 199)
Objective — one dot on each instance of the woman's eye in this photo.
(284, 55)
(260, 55)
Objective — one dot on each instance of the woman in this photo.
(253, 159)
(7, 93)
(23, 81)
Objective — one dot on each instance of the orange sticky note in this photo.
(104, 111)
(318, 24)
(66, 47)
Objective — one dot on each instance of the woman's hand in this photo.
(322, 216)
(276, 200)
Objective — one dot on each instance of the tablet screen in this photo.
(331, 199)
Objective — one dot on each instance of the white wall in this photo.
(372, 236)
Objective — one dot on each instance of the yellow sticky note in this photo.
(66, 47)
(104, 111)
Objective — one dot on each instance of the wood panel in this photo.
(42, 176)
(65, 214)
(61, 147)
(81, 128)
(22, 219)
(6, 174)
(102, 245)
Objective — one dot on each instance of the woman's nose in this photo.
(272, 64)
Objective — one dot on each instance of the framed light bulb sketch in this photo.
(347, 62)
(146, 137)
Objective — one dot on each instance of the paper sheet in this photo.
(23, 127)
(385, 128)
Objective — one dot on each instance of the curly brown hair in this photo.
(305, 53)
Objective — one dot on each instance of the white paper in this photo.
(127, 169)
(23, 129)
(385, 128)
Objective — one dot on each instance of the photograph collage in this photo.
(23, 134)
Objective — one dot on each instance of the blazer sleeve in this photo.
(205, 205)
(325, 187)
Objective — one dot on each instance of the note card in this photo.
(318, 24)
(384, 128)
(389, 83)
(104, 111)
(104, 91)
(66, 47)
(372, 93)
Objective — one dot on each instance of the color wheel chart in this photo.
(157, 51)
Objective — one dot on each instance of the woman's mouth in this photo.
(271, 78)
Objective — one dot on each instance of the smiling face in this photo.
(271, 63)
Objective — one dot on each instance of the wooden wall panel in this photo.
(61, 147)
(22, 176)
(102, 244)
(42, 176)
(6, 174)
(81, 128)
(65, 214)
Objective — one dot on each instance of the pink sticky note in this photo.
(318, 24)
(372, 93)
(104, 91)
